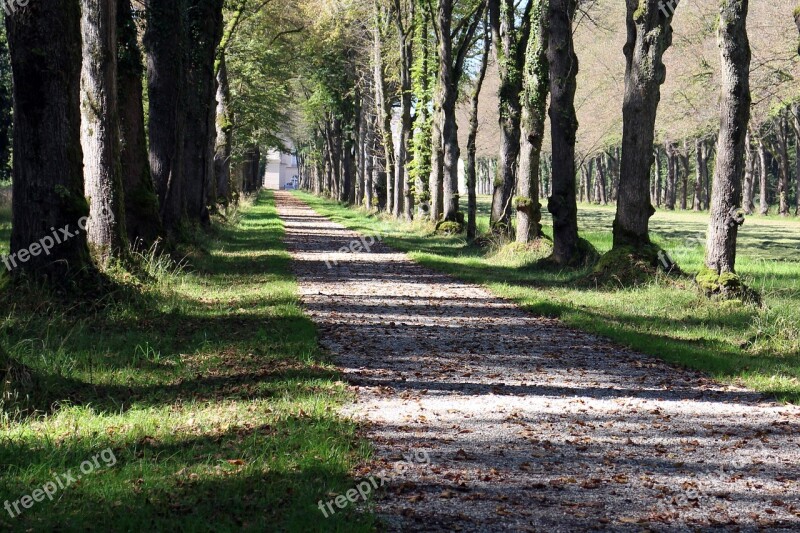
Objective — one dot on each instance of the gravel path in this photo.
(485, 418)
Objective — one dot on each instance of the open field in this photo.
(206, 384)
(755, 346)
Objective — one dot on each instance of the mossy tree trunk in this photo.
(534, 114)
(649, 33)
(45, 47)
(734, 119)
(224, 130)
(100, 124)
(564, 124)
(510, 44)
(142, 216)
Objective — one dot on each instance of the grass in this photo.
(208, 386)
(758, 347)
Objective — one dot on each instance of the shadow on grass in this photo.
(226, 335)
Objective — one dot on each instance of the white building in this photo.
(281, 171)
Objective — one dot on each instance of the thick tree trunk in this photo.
(734, 118)
(166, 82)
(564, 125)
(534, 114)
(749, 177)
(142, 216)
(649, 36)
(204, 34)
(47, 188)
(100, 132)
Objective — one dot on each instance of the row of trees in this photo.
(145, 154)
(412, 56)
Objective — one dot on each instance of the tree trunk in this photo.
(437, 168)
(762, 182)
(783, 162)
(447, 96)
(534, 114)
(471, 168)
(166, 82)
(697, 203)
(204, 34)
(564, 125)
(142, 216)
(510, 44)
(224, 131)
(658, 179)
(649, 36)
(749, 177)
(44, 43)
(672, 169)
(383, 107)
(601, 181)
(685, 175)
(100, 132)
(734, 118)
(796, 124)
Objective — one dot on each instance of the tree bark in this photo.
(734, 117)
(564, 124)
(142, 216)
(203, 36)
(384, 111)
(100, 132)
(166, 81)
(534, 114)
(783, 165)
(657, 185)
(405, 22)
(47, 188)
(224, 132)
(437, 167)
(763, 174)
(697, 202)
(510, 44)
(649, 35)
(749, 177)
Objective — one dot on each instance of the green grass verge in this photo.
(208, 386)
(735, 343)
